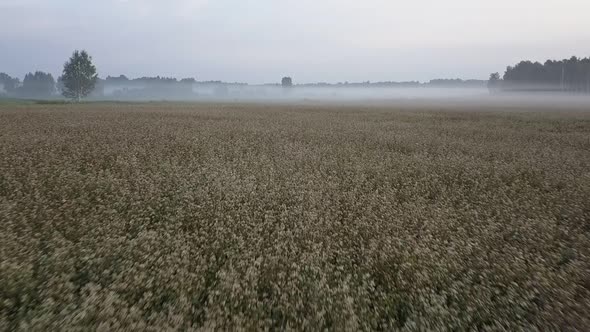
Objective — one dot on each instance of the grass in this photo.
(202, 216)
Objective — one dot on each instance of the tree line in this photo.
(123, 87)
(37, 84)
(77, 81)
(568, 75)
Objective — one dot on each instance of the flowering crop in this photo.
(265, 217)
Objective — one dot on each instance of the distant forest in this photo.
(568, 75)
(43, 85)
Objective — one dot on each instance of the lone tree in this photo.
(494, 83)
(79, 76)
(287, 82)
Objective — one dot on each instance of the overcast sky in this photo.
(260, 41)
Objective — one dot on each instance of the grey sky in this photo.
(312, 40)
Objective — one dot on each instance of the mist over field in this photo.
(222, 92)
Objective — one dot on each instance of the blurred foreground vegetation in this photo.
(155, 217)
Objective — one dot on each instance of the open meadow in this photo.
(274, 216)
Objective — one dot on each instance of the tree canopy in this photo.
(38, 84)
(79, 76)
(8, 84)
(287, 82)
(566, 75)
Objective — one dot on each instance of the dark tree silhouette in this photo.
(188, 80)
(287, 82)
(79, 76)
(39, 84)
(494, 83)
(572, 75)
(8, 84)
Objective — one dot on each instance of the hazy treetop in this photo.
(261, 41)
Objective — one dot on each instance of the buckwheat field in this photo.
(275, 217)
